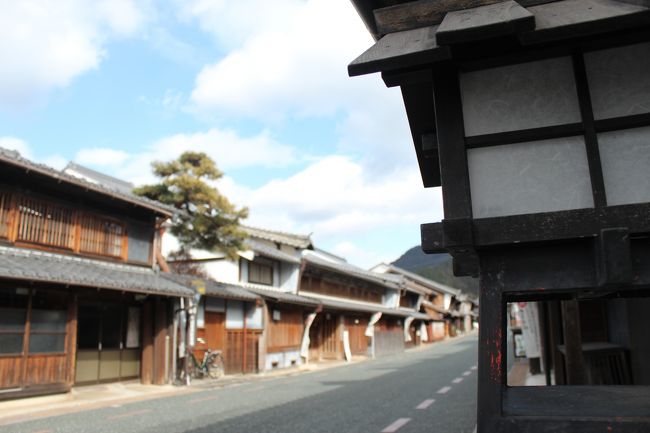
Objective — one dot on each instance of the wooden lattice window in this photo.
(5, 208)
(260, 272)
(45, 223)
(101, 236)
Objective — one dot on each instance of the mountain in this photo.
(437, 267)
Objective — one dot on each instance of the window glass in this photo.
(625, 158)
(521, 96)
(46, 343)
(48, 320)
(261, 273)
(619, 80)
(539, 176)
(12, 319)
(11, 343)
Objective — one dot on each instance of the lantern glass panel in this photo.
(619, 80)
(625, 158)
(532, 177)
(522, 96)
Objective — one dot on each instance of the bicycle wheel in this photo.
(215, 366)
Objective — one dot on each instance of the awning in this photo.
(38, 266)
(335, 304)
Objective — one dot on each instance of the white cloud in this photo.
(45, 45)
(101, 156)
(227, 148)
(340, 201)
(296, 66)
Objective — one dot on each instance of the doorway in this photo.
(108, 343)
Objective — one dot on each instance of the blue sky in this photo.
(260, 86)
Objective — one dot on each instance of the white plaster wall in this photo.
(223, 270)
(283, 359)
(289, 277)
(391, 298)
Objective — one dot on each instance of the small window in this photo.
(260, 272)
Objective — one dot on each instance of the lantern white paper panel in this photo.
(531, 177)
(521, 96)
(625, 158)
(619, 80)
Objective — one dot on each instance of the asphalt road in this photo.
(430, 390)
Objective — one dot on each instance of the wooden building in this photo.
(269, 271)
(436, 300)
(359, 309)
(80, 300)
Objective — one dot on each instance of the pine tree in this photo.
(206, 219)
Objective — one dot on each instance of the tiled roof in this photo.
(14, 158)
(213, 288)
(273, 253)
(340, 304)
(388, 280)
(279, 296)
(291, 239)
(32, 265)
(433, 285)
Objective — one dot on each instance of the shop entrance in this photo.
(108, 343)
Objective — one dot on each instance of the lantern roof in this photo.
(412, 36)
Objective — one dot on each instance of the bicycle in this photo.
(211, 366)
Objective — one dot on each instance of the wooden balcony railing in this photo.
(29, 220)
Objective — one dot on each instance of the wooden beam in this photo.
(422, 13)
(576, 18)
(575, 366)
(484, 22)
(146, 362)
(399, 51)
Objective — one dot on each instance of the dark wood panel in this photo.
(357, 333)
(588, 401)
(286, 332)
(46, 369)
(499, 19)
(10, 368)
(422, 13)
(242, 351)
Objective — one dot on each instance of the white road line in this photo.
(444, 390)
(457, 380)
(425, 404)
(473, 367)
(401, 422)
(467, 373)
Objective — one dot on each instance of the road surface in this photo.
(428, 390)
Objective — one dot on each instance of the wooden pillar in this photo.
(575, 366)
(244, 340)
(492, 374)
(555, 333)
(146, 363)
(159, 341)
(71, 331)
